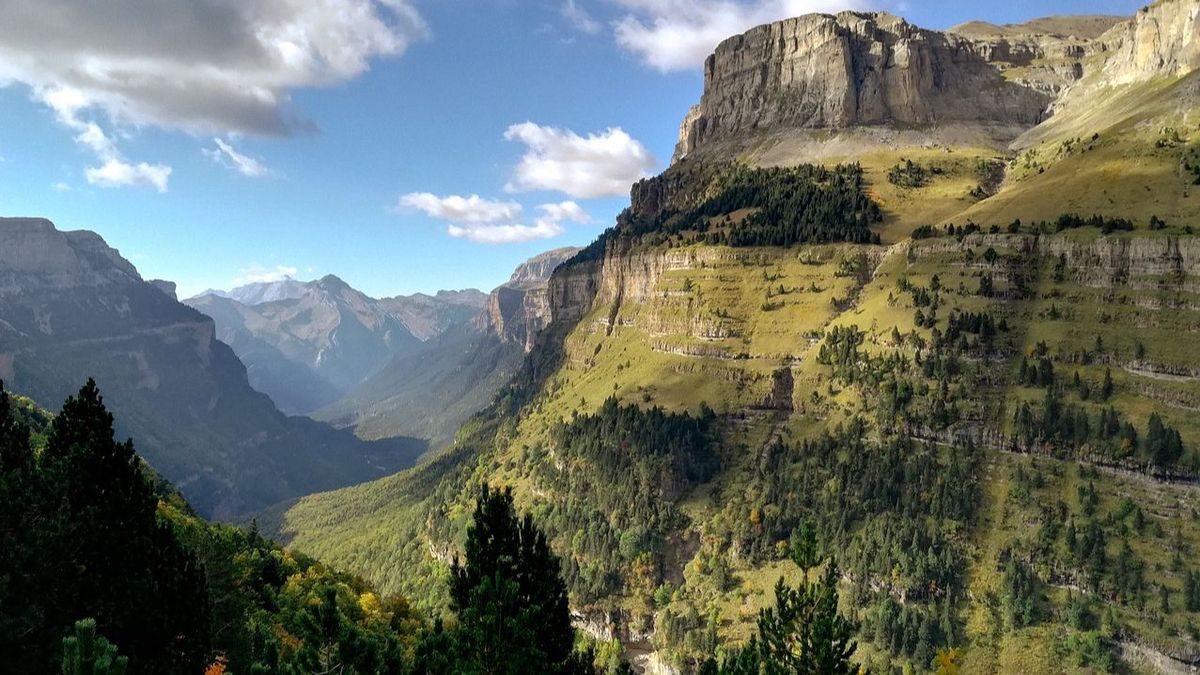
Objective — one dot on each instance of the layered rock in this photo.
(869, 72)
(1161, 40)
(518, 310)
(853, 69)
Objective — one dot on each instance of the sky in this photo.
(403, 145)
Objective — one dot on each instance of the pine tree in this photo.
(21, 582)
(86, 653)
(509, 595)
(803, 634)
(143, 588)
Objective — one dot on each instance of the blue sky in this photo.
(214, 160)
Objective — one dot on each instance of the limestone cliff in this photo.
(853, 69)
(519, 309)
(878, 77)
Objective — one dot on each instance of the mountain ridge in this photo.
(73, 308)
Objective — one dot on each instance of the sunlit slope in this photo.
(1132, 151)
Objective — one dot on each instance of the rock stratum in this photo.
(978, 82)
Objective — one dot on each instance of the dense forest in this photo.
(103, 572)
(773, 207)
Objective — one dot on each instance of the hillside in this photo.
(73, 308)
(952, 339)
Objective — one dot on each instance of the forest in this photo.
(783, 207)
(104, 570)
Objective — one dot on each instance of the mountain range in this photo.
(415, 365)
(73, 308)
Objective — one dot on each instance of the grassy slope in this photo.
(387, 527)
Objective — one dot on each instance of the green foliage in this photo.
(509, 598)
(908, 174)
(803, 634)
(171, 590)
(97, 550)
(619, 473)
(792, 205)
(86, 653)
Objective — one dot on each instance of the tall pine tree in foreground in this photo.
(81, 538)
(510, 599)
(803, 634)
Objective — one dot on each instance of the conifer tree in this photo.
(509, 595)
(87, 653)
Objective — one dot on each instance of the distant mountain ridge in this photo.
(431, 391)
(71, 308)
(307, 343)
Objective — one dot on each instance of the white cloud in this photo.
(117, 173)
(579, 18)
(506, 234)
(679, 34)
(598, 165)
(68, 103)
(472, 210)
(565, 211)
(206, 66)
(546, 226)
(257, 274)
(61, 187)
(229, 156)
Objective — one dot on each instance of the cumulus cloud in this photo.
(117, 173)
(579, 18)
(257, 274)
(114, 171)
(596, 165)
(673, 35)
(464, 210)
(546, 226)
(208, 66)
(229, 156)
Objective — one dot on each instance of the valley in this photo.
(902, 341)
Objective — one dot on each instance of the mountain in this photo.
(306, 344)
(430, 392)
(927, 295)
(72, 308)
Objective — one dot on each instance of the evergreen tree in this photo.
(509, 595)
(106, 555)
(21, 578)
(803, 634)
(86, 653)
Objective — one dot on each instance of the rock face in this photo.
(518, 310)
(824, 73)
(72, 308)
(1160, 40)
(835, 72)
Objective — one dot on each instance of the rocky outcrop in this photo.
(853, 69)
(1162, 39)
(538, 269)
(869, 72)
(518, 310)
